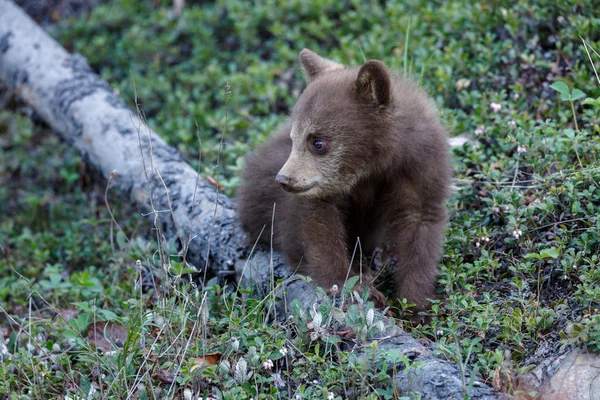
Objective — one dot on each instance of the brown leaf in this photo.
(346, 333)
(104, 335)
(527, 200)
(207, 360)
(575, 278)
(164, 376)
(214, 182)
(67, 314)
(495, 165)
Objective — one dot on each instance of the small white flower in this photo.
(482, 239)
(521, 149)
(268, 364)
(496, 210)
(480, 130)
(334, 288)
(496, 107)
(330, 396)
(512, 124)
(516, 96)
(283, 351)
(506, 208)
(440, 332)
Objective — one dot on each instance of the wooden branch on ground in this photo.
(88, 115)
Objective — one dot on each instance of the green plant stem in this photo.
(405, 61)
(574, 118)
(575, 141)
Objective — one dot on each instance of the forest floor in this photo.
(520, 271)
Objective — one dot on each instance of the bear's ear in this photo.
(373, 83)
(314, 64)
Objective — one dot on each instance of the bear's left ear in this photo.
(373, 83)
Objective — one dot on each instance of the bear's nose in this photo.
(282, 180)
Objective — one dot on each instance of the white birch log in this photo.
(88, 115)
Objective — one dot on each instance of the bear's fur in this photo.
(363, 156)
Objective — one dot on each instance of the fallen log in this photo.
(112, 138)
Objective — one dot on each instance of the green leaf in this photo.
(570, 133)
(549, 253)
(592, 102)
(349, 285)
(85, 384)
(108, 315)
(121, 239)
(577, 94)
(532, 255)
(332, 339)
(560, 87)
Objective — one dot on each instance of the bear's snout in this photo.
(283, 180)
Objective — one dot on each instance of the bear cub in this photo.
(362, 159)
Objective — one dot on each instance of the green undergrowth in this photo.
(520, 273)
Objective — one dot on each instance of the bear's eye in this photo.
(318, 145)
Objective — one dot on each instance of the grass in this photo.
(520, 271)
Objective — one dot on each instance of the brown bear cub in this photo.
(363, 157)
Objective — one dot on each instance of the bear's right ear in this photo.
(314, 64)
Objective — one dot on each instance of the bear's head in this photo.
(340, 128)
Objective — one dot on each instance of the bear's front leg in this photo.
(327, 260)
(418, 246)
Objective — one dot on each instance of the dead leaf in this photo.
(164, 376)
(214, 182)
(346, 333)
(207, 360)
(67, 314)
(104, 335)
(495, 165)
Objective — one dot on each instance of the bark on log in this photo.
(88, 115)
